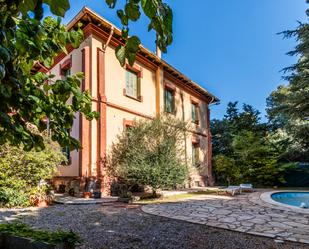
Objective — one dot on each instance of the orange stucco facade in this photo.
(106, 81)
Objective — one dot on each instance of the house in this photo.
(122, 94)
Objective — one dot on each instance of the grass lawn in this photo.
(174, 198)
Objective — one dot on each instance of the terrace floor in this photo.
(243, 213)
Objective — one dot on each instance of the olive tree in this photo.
(151, 153)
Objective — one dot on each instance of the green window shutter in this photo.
(169, 101)
(193, 112)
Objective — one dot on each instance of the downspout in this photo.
(158, 82)
(210, 178)
(109, 39)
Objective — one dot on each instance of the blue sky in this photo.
(230, 47)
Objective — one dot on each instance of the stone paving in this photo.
(244, 213)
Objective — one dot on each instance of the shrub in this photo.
(21, 171)
(226, 170)
(54, 238)
(150, 153)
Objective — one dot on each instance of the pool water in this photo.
(292, 198)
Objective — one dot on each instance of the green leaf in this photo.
(2, 72)
(131, 58)
(27, 5)
(121, 54)
(149, 8)
(58, 7)
(125, 33)
(132, 44)
(111, 3)
(132, 11)
(123, 17)
(4, 55)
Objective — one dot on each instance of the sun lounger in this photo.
(232, 190)
(246, 187)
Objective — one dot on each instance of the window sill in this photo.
(139, 98)
(68, 163)
(172, 113)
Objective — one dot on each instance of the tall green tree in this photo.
(27, 38)
(151, 153)
(288, 105)
(234, 121)
(243, 150)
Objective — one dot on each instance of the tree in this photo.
(226, 170)
(234, 121)
(257, 159)
(32, 98)
(243, 149)
(150, 153)
(288, 106)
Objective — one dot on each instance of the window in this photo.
(66, 72)
(65, 68)
(67, 153)
(127, 125)
(195, 113)
(169, 100)
(132, 84)
(195, 154)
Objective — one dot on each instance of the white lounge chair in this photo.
(232, 190)
(246, 187)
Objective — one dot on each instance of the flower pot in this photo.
(97, 195)
(42, 204)
(87, 195)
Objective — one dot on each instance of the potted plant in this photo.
(42, 196)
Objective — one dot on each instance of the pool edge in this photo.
(266, 197)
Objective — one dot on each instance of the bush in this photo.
(150, 153)
(226, 170)
(54, 238)
(21, 171)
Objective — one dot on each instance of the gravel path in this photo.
(122, 226)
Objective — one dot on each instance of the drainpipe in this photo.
(158, 81)
(109, 39)
(210, 177)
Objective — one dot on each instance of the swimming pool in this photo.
(296, 199)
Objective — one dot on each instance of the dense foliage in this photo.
(22, 230)
(288, 106)
(26, 38)
(150, 153)
(21, 172)
(244, 150)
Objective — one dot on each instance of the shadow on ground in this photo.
(122, 226)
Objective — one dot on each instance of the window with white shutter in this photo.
(131, 84)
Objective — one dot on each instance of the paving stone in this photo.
(245, 213)
(227, 220)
